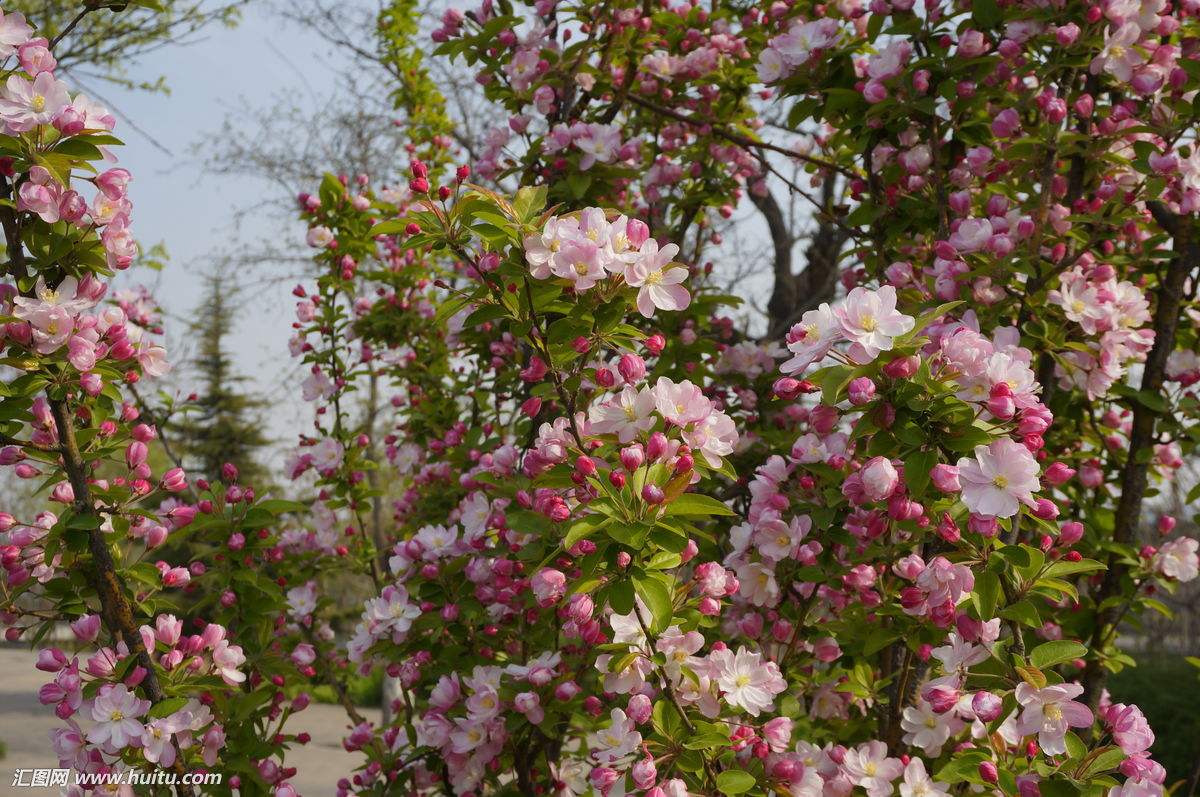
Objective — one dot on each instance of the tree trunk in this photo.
(1135, 471)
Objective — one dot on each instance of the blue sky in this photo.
(198, 216)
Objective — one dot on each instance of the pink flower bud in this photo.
(631, 457)
(986, 706)
(653, 494)
(176, 577)
(602, 778)
(566, 691)
(879, 478)
(548, 586)
(1058, 474)
(639, 708)
(86, 628)
(631, 367)
(1006, 124)
(902, 367)
(531, 407)
(1070, 533)
(1046, 509)
(657, 446)
(113, 183)
(942, 698)
(823, 419)
(1002, 407)
(786, 388)
(136, 454)
(51, 660)
(644, 773)
(689, 552)
(945, 478)
(861, 391)
(174, 480)
(1066, 35)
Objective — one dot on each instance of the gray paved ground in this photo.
(25, 725)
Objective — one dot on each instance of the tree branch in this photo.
(115, 608)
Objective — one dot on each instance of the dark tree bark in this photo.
(794, 293)
(1135, 471)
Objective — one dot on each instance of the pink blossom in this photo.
(657, 280)
(1049, 712)
(1129, 728)
(25, 104)
(870, 321)
(1178, 559)
(869, 766)
(14, 31)
(879, 478)
(115, 711)
(812, 338)
(1001, 477)
(226, 659)
(748, 682)
(681, 403)
(579, 261)
(1120, 56)
(548, 586)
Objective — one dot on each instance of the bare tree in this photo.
(101, 45)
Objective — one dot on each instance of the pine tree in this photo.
(223, 424)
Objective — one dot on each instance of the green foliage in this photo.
(1167, 690)
(400, 40)
(222, 425)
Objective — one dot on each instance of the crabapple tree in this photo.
(614, 544)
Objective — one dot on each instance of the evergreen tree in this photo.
(223, 424)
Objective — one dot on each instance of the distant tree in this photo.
(224, 424)
(101, 45)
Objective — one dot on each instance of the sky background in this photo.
(201, 217)
(263, 65)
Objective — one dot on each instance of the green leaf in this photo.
(529, 201)
(1153, 401)
(879, 639)
(166, 707)
(735, 781)
(708, 735)
(697, 504)
(620, 597)
(1159, 607)
(1055, 652)
(834, 380)
(925, 319)
(986, 13)
(578, 184)
(1062, 568)
(582, 529)
(987, 593)
(1023, 612)
(658, 599)
(1106, 758)
(84, 522)
(666, 720)
(278, 506)
(963, 766)
(1032, 676)
(917, 466)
